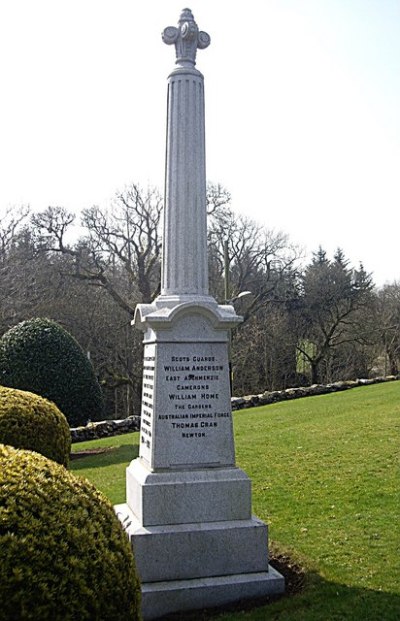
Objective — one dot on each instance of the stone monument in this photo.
(188, 507)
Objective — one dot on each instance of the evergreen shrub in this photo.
(38, 355)
(64, 553)
(31, 422)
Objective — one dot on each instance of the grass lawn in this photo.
(325, 474)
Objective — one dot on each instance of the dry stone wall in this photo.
(107, 428)
(265, 398)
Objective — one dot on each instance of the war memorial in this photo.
(188, 506)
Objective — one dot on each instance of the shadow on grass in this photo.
(323, 600)
(111, 456)
(318, 600)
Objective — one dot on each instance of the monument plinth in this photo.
(188, 509)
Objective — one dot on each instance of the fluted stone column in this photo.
(185, 269)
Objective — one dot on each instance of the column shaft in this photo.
(185, 269)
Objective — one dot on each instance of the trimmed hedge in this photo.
(40, 356)
(64, 553)
(28, 421)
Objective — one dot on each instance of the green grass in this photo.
(325, 476)
(107, 470)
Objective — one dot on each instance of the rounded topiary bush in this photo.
(64, 554)
(38, 355)
(31, 422)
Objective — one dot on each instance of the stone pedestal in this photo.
(188, 510)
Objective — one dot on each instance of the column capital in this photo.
(187, 38)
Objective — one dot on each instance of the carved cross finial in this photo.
(187, 38)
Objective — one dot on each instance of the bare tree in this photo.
(121, 249)
(118, 256)
(21, 281)
(10, 226)
(130, 233)
(264, 352)
(389, 324)
(217, 197)
(259, 260)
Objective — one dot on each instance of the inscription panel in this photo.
(186, 406)
(146, 423)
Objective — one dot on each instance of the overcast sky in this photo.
(302, 111)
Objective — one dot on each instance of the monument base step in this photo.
(184, 497)
(161, 598)
(201, 550)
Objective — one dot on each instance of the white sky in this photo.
(302, 111)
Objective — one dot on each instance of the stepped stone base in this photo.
(198, 565)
